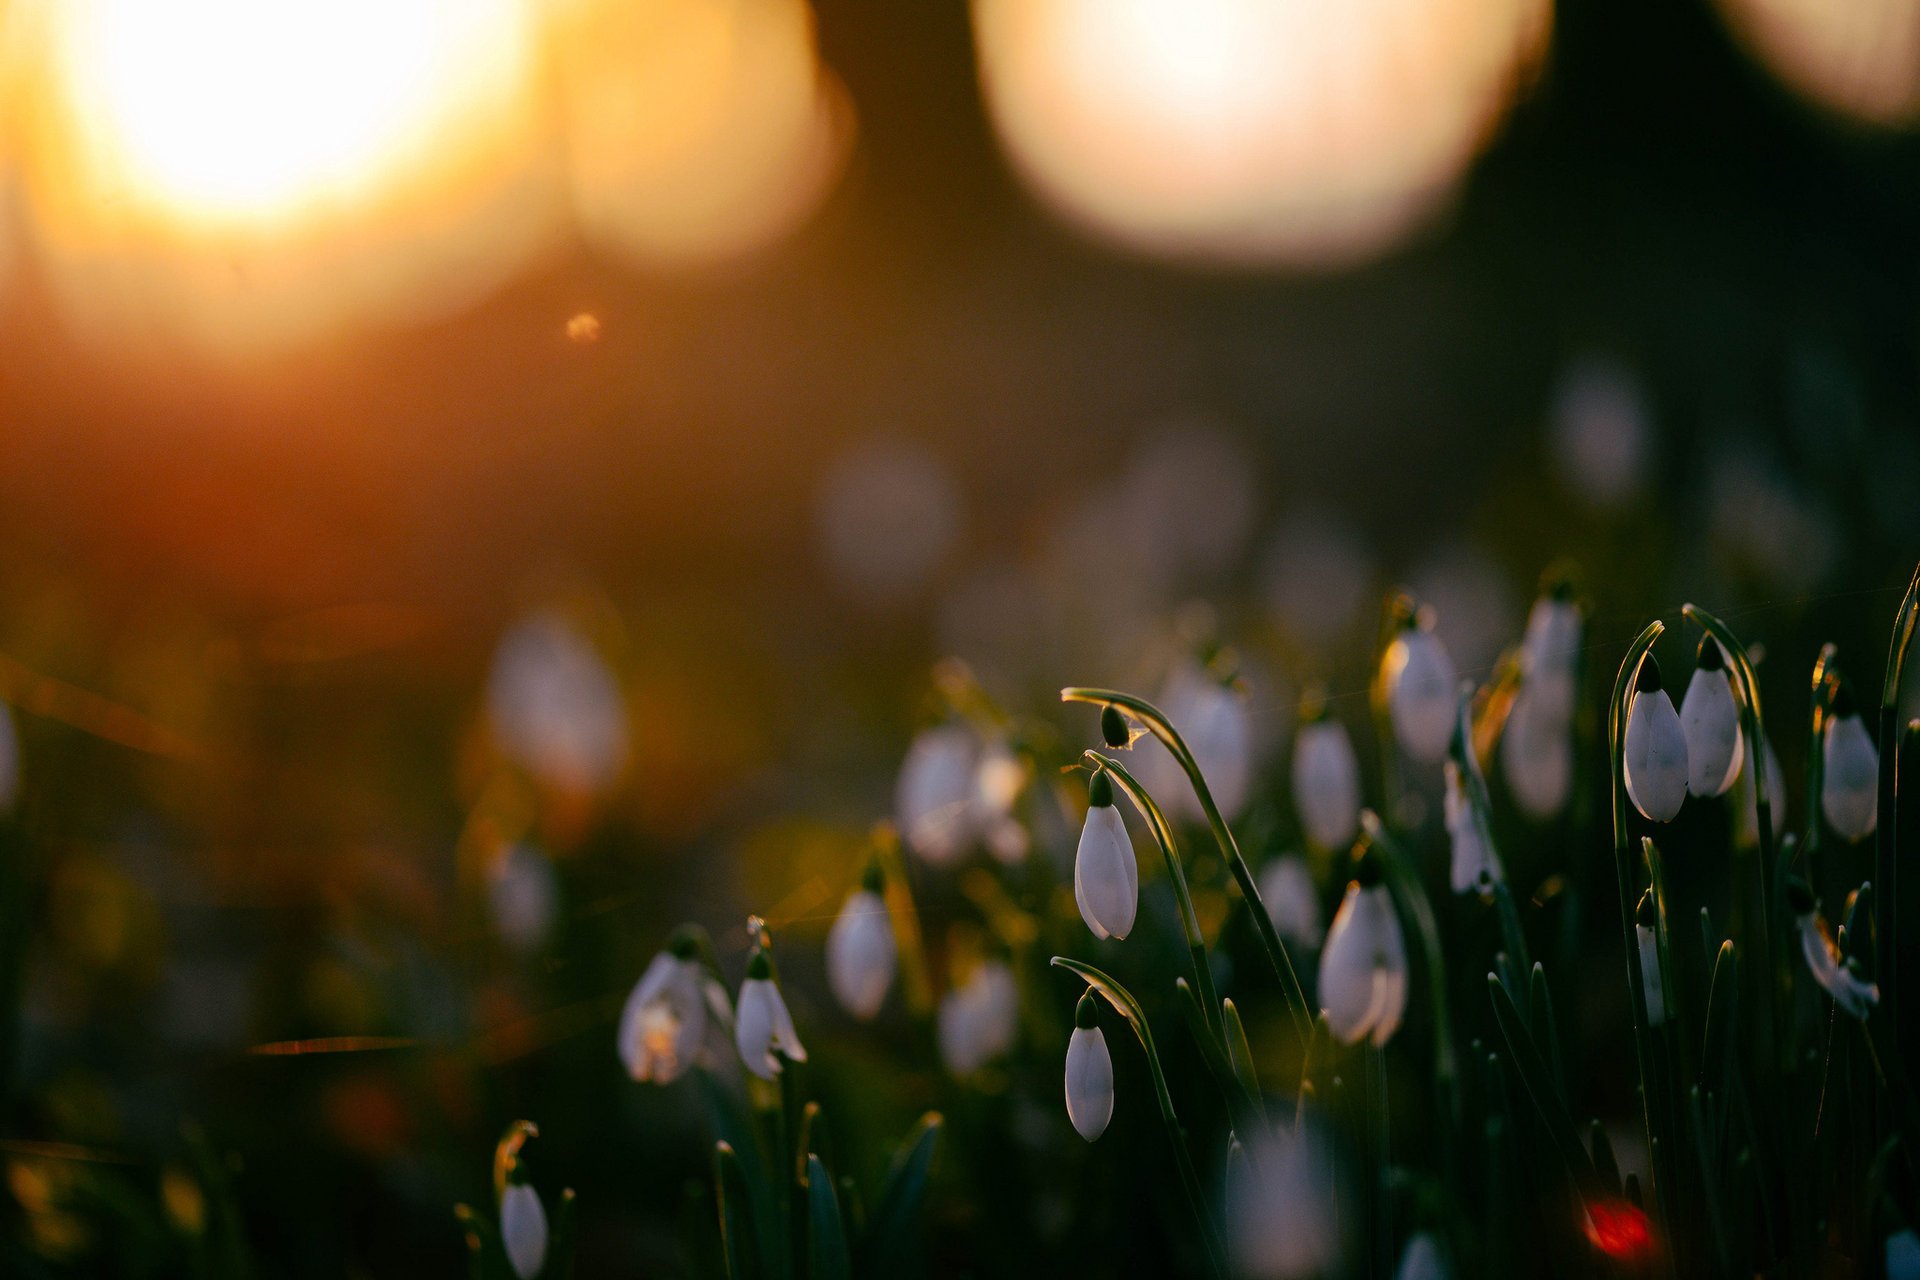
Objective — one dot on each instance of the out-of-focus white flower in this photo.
(1211, 718)
(998, 778)
(1762, 517)
(524, 896)
(1326, 783)
(1599, 430)
(1106, 880)
(1421, 691)
(1550, 651)
(1656, 754)
(1422, 1260)
(861, 952)
(1536, 755)
(1316, 577)
(1903, 1256)
(1837, 976)
(674, 1016)
(1470, 597)
(556, 708)
(1474, 866)
(1292, 902)
(9, 759)
(1089, 1072)
(1281, 1222)
(1710, 722)
(1363, 968)
(1190, 491)
(887, 514)
(1646, 936)
(523, 1226)
(1747, 801)
(978, 1018)
(1850, 778)
(762, 1026)
(934, 797)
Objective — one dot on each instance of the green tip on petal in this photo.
(873, 879)
(1644, 915)
(1366, 866)
(1647, 680)
(1087, 1013)
(685, 943)
(758, 965)
(1100, 791)
(1844, 703)
(1113, 727)
(1710, 657)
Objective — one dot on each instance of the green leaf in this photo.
(1535, 1075)
(1544, 1025)
(826, 1236)
(736, 1214)
(1723, 999)
(1239, 1052)
(892, 1243)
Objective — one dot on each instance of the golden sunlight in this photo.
(1249, 130)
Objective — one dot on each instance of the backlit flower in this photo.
(1710, 722)
(1536, 755)
(934, 798)
(1474, 866)
(523, 1225)
(762, 1026)
(1281, 1220)
(673, 1016)
(1089, 1072)
(1647, 939)
(1106, 881)
(556, 706)
(1211, 718)
(1293, 903)
(1838, 976)
(1849, 783)
(1656, 755)
(1326, 782)
(860, 949)
(978, 1018)
(1420, 684)
(1363, 968)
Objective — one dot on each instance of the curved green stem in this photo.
(1161, 728)
(1163, 836)
(1123, 1002)
(1886, 861)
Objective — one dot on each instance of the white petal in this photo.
(1220, 736)
(1422, 1260)
(935, 798)
(652, 981)
(1550, 655)
(1326, 784)
(1473, 868)
(1850, 785)
(1421, 693)
(1292, 902)
(1363, 968)
(523, 1230)
(999, 997)
(754, 1026)
(1106, 880)
(1651, 985)
(1656, 756)
(959, 1038)
(1281, 1218)
(1855, 998)
(1710, 722)
(1089, 1082)
(785, 1038)
(979, 1018)
(861, 954)
(1748, 830)
(1536, 755)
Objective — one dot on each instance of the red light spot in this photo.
(1619, 1230)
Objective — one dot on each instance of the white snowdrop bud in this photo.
(1211, 718)
(556, 707)
(1645, 936)
(1656, 756)
(1106, 880)
(1536, 755)
(1474, 867)
(762, 1025)
(1838, 978)
(1326, 783)
(1710, 722)
(979, 1018)
(1292, 901)
(935, 798)
(1363, 967)
(1550, 650)
(1850, 779)
(1421, 692)
(666, 1023)
(860, 949)
(523, 1226)
(1089, 1072)
(1422, 1260)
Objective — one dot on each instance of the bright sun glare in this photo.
(252, 111)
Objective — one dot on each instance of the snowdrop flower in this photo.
(1710, 722)
(523, 895)
(1838, 976)
(1748, 830)
(1420, 685)
(762, 1026)
(1550, 651)
(1326, 782)
(9, 759)
(1281, 1222)
(523, 1224)
(1106, 880)
(556, 707)
(1903, 1256)
(1363, 968)
(978, 1018)
(1474, 867)
(1089, 1072)
(860, 949)
(1422, 1260)
(998, 779)
(1849, 785)
(1536, 755)
(1652, 986)
(673, 1015)
(1656, 756)
(1211, 718)
(934, 798)
(1292, 902)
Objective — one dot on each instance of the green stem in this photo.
(1163, 836)
(1157, 723)
(1887, 862)
(1123, 1002)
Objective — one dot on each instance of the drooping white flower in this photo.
(9, 759)
(1420, 683)
(861, 952)
(673, 1016)
(1363, 967)
(934, 799)
(979, 1018)
(1211, 718)
(1536, 754)
(1652, 985)
(1292, 901)
(523, 1226)
(1903, 1256)
(1836, 975)
(1550, 650)
(998, 779)
(1281, 1221)
(1656, 755)
(1422, 1260)
(1106, 880)
(1089, 1072)
(1748, 801)
(762, 1026)
(555, 705)
(1710, 722)
(1326, 783)
(1475, 868)
(524, 897)
(1850, 781)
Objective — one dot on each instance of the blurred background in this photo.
(483, 480)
